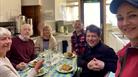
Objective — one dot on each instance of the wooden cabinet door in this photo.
(34, 13)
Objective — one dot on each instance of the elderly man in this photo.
(22, 48)
(78, 41)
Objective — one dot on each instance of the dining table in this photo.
(52, 64)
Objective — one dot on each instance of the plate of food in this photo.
(65, 68)
(32, 63)
(69, 55)
(41, 71)
(42, 55)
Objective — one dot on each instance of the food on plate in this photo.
(68, 54)
(42, 55)
(40, 71)
(65, 67)
(32, 63)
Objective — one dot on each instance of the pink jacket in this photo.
(131, 64)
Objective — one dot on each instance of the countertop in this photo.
(122, 38)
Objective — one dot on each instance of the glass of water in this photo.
(49, 58)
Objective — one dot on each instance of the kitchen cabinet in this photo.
(9, 10)
(31, 9)
(31, 2)
(34, 13)
(9, 25)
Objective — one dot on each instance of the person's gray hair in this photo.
(22, 26)
(4, 31)
(46, 26)
(27, 25)
(77, 22)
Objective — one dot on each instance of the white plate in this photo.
(63, 71)
(42, 55)
(42, 71)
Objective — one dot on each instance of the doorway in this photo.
(34, 13)
(93, 12)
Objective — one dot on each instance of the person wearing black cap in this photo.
(99, 58)
(127, 19)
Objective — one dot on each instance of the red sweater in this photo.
(131, 66)
(21, 51)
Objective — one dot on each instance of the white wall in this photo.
(9, 9)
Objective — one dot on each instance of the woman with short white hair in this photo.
(6, 68)
(46, 40)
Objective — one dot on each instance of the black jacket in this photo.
(101, 52)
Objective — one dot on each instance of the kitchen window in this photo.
(71, 11)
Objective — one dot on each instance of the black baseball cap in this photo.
(115, 4)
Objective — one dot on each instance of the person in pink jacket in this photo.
(127, 19)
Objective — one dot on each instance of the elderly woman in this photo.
(127, 19)
(99, 58)
(46, 40)
(6, 68)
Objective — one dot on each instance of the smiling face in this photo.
(127, 18)
(5, 41)
(26, 31)
(47, 31)
(78, 26)
(92, 38)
